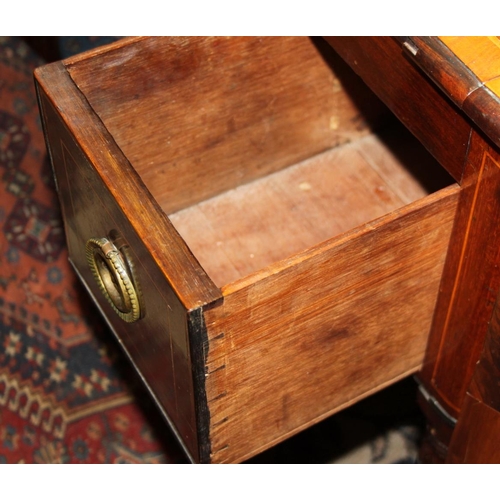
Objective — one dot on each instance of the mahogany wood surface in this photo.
(471, 281)
(475, 438)
(206, 114)
(158, 344)
(410, 95)
(467, 70)
(471, 278)
(486, 380)
(152, 226)
(461, 370)
(244, 346)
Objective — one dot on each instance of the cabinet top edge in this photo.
(467, 69)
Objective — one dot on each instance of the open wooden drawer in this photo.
(274, 237)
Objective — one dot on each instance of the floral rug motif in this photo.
(66, 393)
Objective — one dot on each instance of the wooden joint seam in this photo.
(218, 337)
(220, 396)
(221, 367)
(220, 450)
(220, 422)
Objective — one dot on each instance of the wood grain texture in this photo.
(159, 345)
(467, 68)
(340, 308)
(411, 95)
(475, 438)
(302, 339)
(481, 54)
(441, 65)
(200, 115)
(471, 281)
(486, 379)
(166, 247)
(484, 109)
(90, 54)
(255, 225)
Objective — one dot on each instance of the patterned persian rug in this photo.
(67, 395)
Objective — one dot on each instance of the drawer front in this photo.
(411, 96)
(157, 344)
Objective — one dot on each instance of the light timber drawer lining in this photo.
(255, 225)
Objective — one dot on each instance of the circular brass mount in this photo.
(114, 274)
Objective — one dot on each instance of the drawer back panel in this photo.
(205, 114)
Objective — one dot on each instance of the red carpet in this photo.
(66, 394)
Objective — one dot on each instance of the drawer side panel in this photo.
(319, 333)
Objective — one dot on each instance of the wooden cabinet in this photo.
(460, 375)
(265, 238)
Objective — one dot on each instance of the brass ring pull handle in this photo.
(114, 273)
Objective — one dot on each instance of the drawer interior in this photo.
(252, 226)
(256, 148)
(321, 220)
